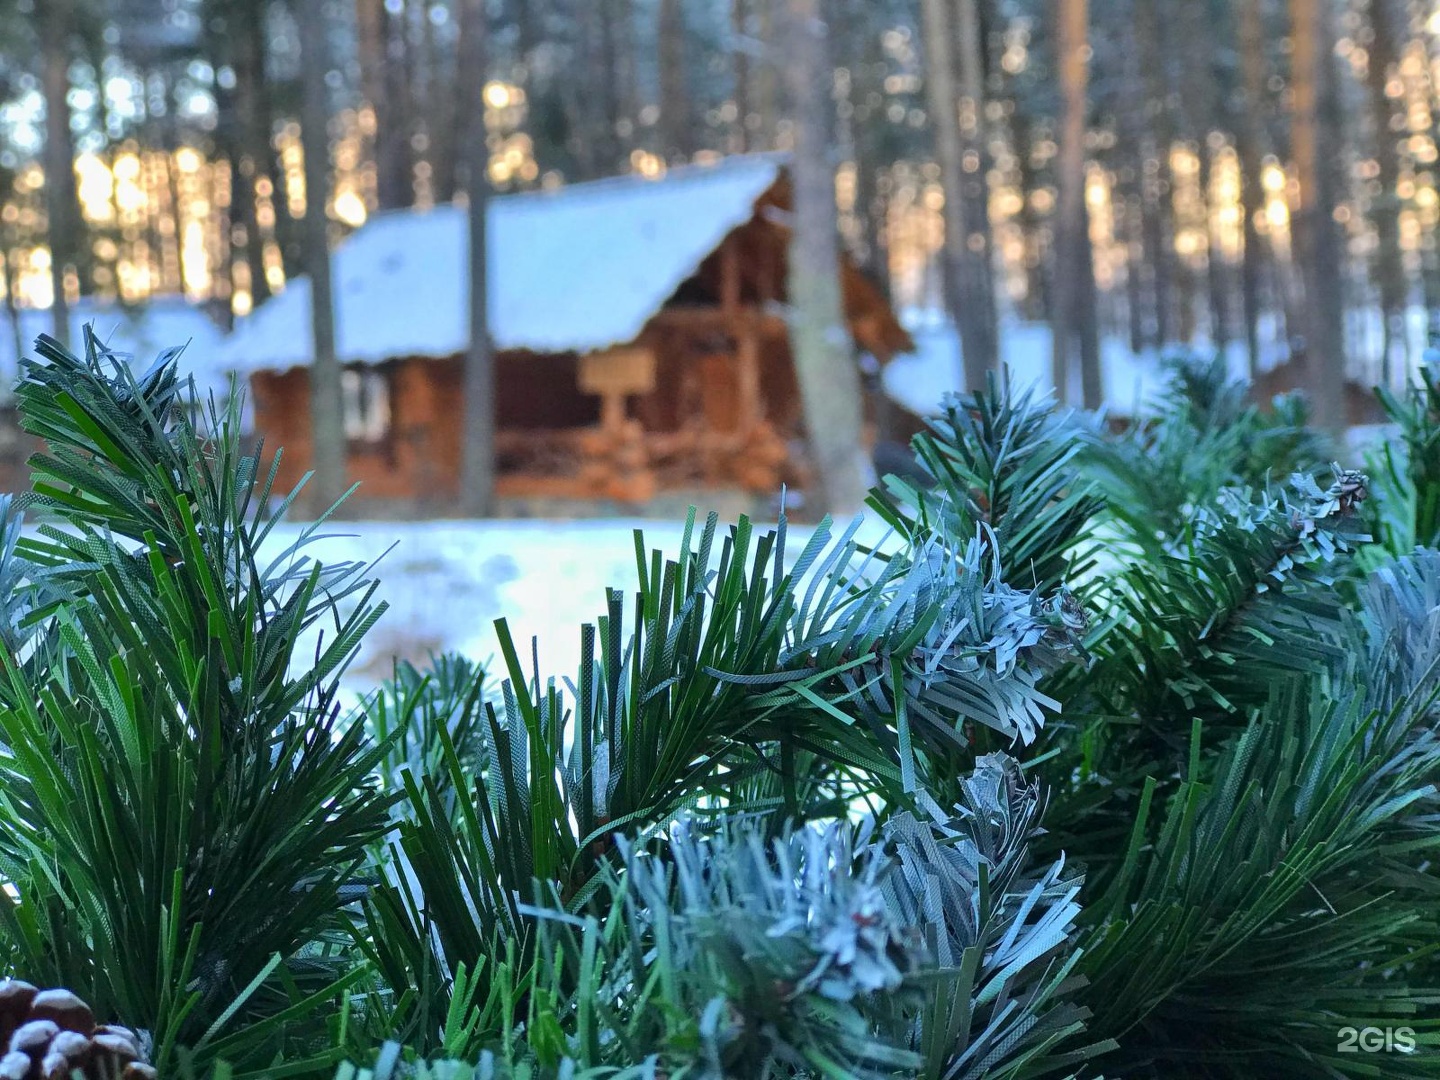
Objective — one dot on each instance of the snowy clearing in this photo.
(447, 582)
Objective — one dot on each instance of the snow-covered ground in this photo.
(1129, 379)
(447, 582)
(920, 380)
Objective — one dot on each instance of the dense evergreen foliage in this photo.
(1118, 757)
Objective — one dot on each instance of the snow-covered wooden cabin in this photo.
(639, 329)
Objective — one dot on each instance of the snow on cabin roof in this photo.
(576, 269)
(141, 332)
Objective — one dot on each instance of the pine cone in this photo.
(52, 1035)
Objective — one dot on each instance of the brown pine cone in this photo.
(52, 1035)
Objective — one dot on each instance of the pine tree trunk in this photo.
(766, 80)
(370, 51)
(419, 56)
(824, 362)
(877, 231)
(1036, 305)
(1317, 241)
(979, 239)
(435, 108)
(1217, 287)
(940, 93)
(676, 128)
(740, 69)
(845, 150)
(626, 77)
(1253, 66)
(227, 151)
(1157, 183)
(613, 31)
(1429, 241)
(477, 480)
(1389, 260)
(962, 274)
(589, 138)
(267, 151)
(1133, 222)
(871, 156)
(62, 210)
(1091, 384)
(1071, 239)
(170, 142)
(373, 52)
(241, 236)
(11, 446)
(529, 19)
(1199, 109)
(394, 183)
(468, 115)
(466, 108)
(326, 408)
(255, 163)
(870, 207)
(12, 309)
(1130, 203)
(445, 104)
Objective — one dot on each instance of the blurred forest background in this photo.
(1252, 174)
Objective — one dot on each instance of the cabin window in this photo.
(366, 395)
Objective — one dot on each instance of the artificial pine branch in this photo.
(185, 813)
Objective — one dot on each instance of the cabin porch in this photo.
(679, 410)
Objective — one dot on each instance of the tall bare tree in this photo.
(1073, 267)
(1200, 110)
(624, 72)
(448, 94)
(618, 79)
(1385, 206)
(466, 111)
(603, 29)
(766, 81)
(965, 278)
(1157, 182)
(1130, 196)
(372, 32)
(873, 155)
(433, 103)
(589, 137)
(1419, 24)
(1024, 137)
(975, 171)
(327, 417)
(477, 477)
(1252, 190)
(56, 25)
(677, 129)
(528, 17)
(383, 50)
(9, 277)
(234, 38)
(824, 357)
(1317, 238)
(740, 69)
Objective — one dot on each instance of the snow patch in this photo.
(447, 582)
